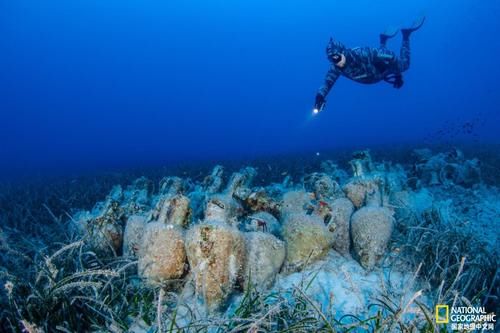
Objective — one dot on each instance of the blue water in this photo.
(87, 84)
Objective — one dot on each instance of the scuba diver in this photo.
(366, 64)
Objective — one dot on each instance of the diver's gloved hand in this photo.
(398, 81)
(319, 104)
(395, 79)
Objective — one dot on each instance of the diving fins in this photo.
(414, 27)
(388, 34)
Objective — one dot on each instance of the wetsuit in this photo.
(367, 65)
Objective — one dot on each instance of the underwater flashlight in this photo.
(318, 109)
(319, 104)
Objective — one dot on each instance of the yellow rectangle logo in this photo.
(442, 314)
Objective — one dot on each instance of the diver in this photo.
(367, 64)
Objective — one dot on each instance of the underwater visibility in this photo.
(249, 166)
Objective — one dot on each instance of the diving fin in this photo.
(391, 32)
(388, 34)
(414, 27)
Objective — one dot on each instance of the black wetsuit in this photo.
(367, 65)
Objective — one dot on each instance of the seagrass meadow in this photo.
(362, 241)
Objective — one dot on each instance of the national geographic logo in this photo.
(442, 314)
(465, 318)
